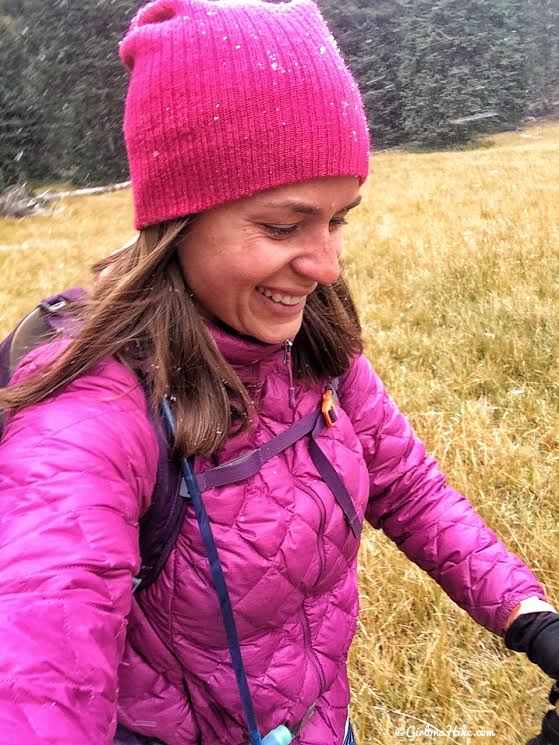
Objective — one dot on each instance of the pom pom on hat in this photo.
(231, 97)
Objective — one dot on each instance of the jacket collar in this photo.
(244, 351)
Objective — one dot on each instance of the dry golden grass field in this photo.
(454, 261)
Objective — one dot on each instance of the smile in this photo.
(281, 299)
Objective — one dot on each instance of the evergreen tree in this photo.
(463, 65)
(542, 44)
(73, 67)
(369, 36)
(19, 128)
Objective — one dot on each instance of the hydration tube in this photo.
(280, 735)
(226, 608)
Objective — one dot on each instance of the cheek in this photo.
(220, 284)
(205, 274)
(226, 275)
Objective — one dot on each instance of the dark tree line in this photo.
(433, 73)
(62, 89)
(439, 72)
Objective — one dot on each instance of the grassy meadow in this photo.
(454, 262)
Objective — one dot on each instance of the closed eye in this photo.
(288, 230)
(278, 230)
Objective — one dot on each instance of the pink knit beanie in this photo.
(231, 97)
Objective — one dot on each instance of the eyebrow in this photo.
(307, 209)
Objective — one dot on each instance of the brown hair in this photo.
(142, 312)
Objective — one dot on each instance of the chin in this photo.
(273, 336)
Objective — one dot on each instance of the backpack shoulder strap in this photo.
(313, 423)
(248, 465)
(161, 524)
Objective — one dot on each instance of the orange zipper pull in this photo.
(329, 411)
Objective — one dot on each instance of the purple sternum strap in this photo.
(249, 464)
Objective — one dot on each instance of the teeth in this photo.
(283, 299)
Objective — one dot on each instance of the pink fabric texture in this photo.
(77, 652)
(230, 98)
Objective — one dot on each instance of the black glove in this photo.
(537, 634)
(550, 730)
(550, 724)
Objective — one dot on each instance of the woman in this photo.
(247, 144)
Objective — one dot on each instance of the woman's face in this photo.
(252, 263)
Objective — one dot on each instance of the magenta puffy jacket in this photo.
(78, 653)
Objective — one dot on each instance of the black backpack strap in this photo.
(162, 522)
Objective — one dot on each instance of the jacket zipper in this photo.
(310, 651)
(288, 361)
(322, 510)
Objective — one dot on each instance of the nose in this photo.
(319, 261)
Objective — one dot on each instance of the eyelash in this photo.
(285, 232)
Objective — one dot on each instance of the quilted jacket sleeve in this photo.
(435, 526)
(76, 471)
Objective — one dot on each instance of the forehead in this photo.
(309, 197)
